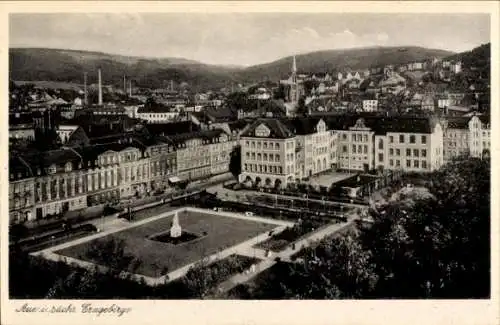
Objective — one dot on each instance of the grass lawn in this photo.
(222, 232)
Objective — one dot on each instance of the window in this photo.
(391, 139)
(253, 155)
(415, 163)
(391, 162)
(265, 145)
(424, 153)
(398, 152)
(344, 149)
(253, 144)
(408, 152)
(391, 152)
(415, 152)
(423, 139)
(353, 138)
(277, 146)
(52, 169)
(408, 163)
(259, 156)
(398, 163)
(353, 148)
(271, 157)
(259, 144)
(365, 148)
(344, 136)
(424, 164)
(277, 158)
(248, 155)
(380, 157)
(380, 144)
(401, 138)
(271, 146)
(365, 138)
(412, 139)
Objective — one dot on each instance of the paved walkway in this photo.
(115, 225)
(240, 196)
(283, 255)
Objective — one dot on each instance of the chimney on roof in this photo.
(99, 80)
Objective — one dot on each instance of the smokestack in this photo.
(130, 88)
(100, 85)
(85, 100)
(171, 85)
(124, 84)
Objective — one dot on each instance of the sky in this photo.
(245, 38)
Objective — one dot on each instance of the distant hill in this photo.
(35, 64)
(334, 60)
(478, 58)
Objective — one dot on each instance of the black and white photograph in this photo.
(248, 156)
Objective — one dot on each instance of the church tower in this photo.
(294, 89)
(294, 70)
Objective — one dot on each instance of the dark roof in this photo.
(458, 122)
(239, 124)
(21, 118)
(485, 119)
(302, 126)
(18, 166)
(91, 153)
(167, 129)
(382, 124)
(278, 128)
(59, 157)
(206, 135)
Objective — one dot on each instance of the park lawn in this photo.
(222, 232)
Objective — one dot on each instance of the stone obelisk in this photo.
(176, 229)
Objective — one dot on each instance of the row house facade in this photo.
(21, 191)
(162, 163)
(410, 144)
(59, 178)
(202, 154)
(467, 136)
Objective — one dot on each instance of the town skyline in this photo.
(268, 37)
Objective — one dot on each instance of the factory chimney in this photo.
(85, 100)
(100, 86)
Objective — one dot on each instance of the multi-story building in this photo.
(193, 154)
(160, 114)
(221, 145)
(162, 162)
(58, 181)
(275, 152)
(101, 182)
(467, 136)
(370, 105)
(407, 143)
(456, 137)
(21, 191)
(134, 173)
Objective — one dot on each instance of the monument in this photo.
(175, 230)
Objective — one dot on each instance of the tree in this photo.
(301, 107)
(235, 161)
(112, 254)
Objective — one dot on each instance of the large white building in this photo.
(467, 135)
(406, 143)
(276, 152)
